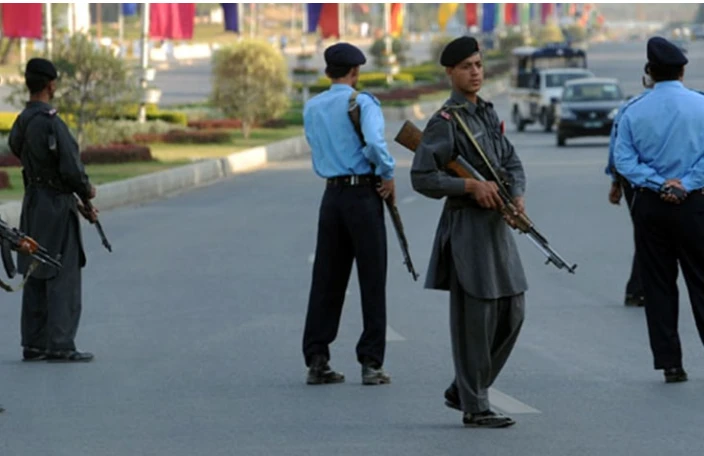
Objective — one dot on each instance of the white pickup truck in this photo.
(533, 98)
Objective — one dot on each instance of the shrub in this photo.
(399, 48)
(4, 180)
(212, 124)
(250, 82)
(6, 121)
(122, 131)
(186, 137)
(9, 160)
(116, 153)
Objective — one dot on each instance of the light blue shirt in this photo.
(336, 149)
(661, 137)
(610, 166)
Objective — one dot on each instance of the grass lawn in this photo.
(186, 152)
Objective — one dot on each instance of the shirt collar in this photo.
(338, 86)
(458, 99)
(666, 84)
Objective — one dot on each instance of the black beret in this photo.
(457, 50)
(662, 52)
(344, 55)
(41, 66)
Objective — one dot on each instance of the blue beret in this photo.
(457, 50)
(41, 66)
(344, 55)
(662, 52)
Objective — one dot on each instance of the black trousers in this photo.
(665, 235)
(350, 228)
(51, 308)
(634, 286)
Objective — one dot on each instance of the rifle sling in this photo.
(12, 289)
(476, 145)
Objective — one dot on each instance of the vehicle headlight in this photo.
(567, 114)
(613, 113)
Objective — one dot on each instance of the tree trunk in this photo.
(246, 128)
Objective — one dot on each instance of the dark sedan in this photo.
(587, 108)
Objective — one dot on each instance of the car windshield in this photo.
(558, 80)
(592, 92)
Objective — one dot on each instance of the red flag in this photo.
(329, 21)
(510, 13)
(171, 21)
(470, 14)
(22, 20)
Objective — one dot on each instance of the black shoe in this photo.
(1, 409)
(320, 373)
(488, 419)
(373, 375)
(69, 356)
(33, 354)
(452, 398)
(634, 301)
(675, 375)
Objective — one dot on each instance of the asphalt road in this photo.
(196, 322)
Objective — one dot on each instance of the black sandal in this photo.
(488, 419)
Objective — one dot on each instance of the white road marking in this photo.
(509, 405)
(393, 336)
(409, 199)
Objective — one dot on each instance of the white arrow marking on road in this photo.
(508, 404)
(393, 336)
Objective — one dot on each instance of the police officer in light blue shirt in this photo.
(660, 151)
(621, 187)
(351, 220)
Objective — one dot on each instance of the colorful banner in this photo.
(325, 16)
(396, 19)
(231, 15)
(488, 17)
(22, 20)
(546, 10)
(525, 14)
(129, 9)
(171, 21)
(511, 13)
(471, 16)
(445, 13)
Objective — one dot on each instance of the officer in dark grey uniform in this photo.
(53, 173)
(474, 254)
(660, 150)
(351, 221)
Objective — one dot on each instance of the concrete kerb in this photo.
(165, 183)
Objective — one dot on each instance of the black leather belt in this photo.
(364, 180)
(54, 184)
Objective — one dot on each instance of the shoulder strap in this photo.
(354, 111)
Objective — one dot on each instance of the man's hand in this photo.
(670, 198)
(387, 190)
(486, 193)
(615, 193)
(519, 204)
(92, 192)
(90, 215)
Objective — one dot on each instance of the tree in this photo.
(250, 82)
(92, 81)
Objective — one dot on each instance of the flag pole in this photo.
(145, 62)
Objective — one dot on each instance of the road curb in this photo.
(154, 186)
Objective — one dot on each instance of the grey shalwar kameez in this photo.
(474, 255)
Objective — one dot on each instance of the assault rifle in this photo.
(354, 113)
(410, 137)
(13, 239)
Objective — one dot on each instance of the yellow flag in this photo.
(445, 12)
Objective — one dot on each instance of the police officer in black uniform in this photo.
(53, 176)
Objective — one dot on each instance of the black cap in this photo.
(662, 52)
(344, 55)
(42, 67)
(457, 50)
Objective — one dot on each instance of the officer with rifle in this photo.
(53, 174)
(474, 254)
